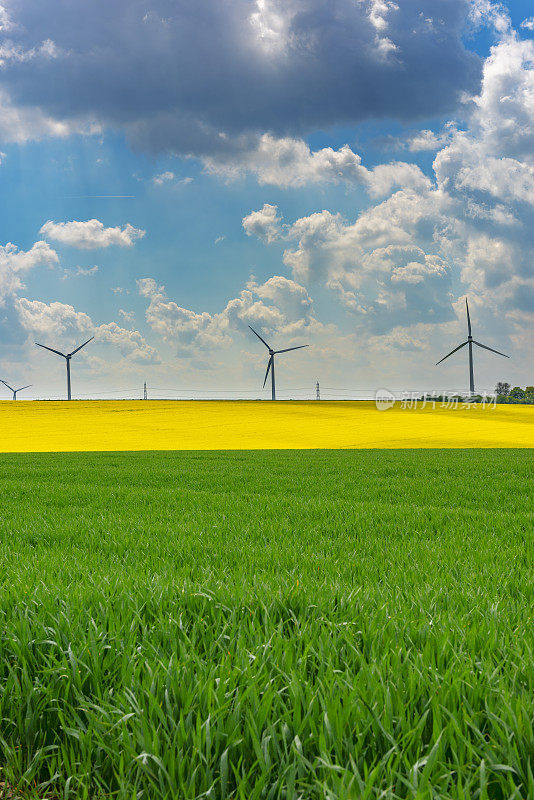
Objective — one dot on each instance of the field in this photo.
(213, 425)
(275, 624)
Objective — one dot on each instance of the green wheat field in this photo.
(274, 625)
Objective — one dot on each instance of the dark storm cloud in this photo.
(176, 74)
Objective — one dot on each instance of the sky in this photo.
(338, 173)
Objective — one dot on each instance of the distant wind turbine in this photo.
(470, 341)
(15, 390)
(67, 357)
(270, 365)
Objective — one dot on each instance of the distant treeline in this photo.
(505, 394)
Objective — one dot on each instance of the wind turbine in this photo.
(15, 390)
(270, 365)
(67, 357)
(470, 342)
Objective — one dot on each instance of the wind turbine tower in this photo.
(470, 342)
(67, 357)
(270, 364)
(15, 390)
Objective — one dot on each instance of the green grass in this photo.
(267, 625)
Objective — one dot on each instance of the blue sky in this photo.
(335, 173)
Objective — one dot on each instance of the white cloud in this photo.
(91, 234)
(528, 24)
(279, 307)
(385, 178)
(127, 316)
(53, 319)
(288, 162)
(327, 243)
(265, 224)
(378, 13)
(164, 177)
(504, 111)
(60, 325)
(470, 220)
(489, 12)
(87, 270)
(372, 265)
(130, 344)
(170, 177)
(80, 271)
(6, 23)
(430, 140)
(14, 263)
(29, 123)
(10, 51)
(395, 264)
(170, 320)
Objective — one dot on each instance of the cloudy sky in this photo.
(334, 172)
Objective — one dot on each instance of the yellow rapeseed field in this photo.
(235, 425)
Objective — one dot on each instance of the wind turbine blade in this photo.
(490, 349)
(267, 373)
(452, 351)
(7, 384)
(24, 387)
(259, 337)
(51, 349)
(468, 318)
(82, 345)
(292, 348)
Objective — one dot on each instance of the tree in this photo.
(517, 393)
(502, 388)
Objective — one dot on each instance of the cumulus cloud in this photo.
(429, 140)
(286, 162)
(385, 178)
(504, 110)
(265, 223)
(130, 344)
(14, 263)
(173, 83)
(385, 284)
(127, 316)
(61, 323)
(91, 234)
(56, 321)
(280, 306)
(23, 123)
(393, 264)
(289, 162)
(491, 13)
(53, 319)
